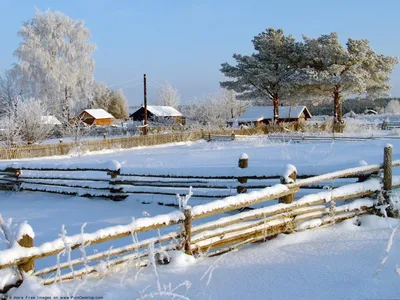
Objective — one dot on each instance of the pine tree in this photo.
(334, 71)
(265, 73)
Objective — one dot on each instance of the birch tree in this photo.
(334, 71)
(168, 96)
(265, 73)
(55, 60)
(10, 89)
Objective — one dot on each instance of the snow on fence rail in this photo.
(110, 180)
(227, 233)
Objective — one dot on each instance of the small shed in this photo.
(159, 114)
(258, 115)
(96, 117)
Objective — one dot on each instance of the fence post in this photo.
(387, 171)
(209, 136)
(233, 136)
(105, 136)
(61, 147)
(289, 177)
(25, 240)
(384, 125)
(114, 188)
(188, 230)
(243, 164)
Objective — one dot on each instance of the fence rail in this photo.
(228, 232)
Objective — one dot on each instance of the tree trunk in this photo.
(275, 100)
(337, 111)
(65, 106)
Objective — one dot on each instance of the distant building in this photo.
(159, 114)
(96, 117)
(50, 120)
(259, 115)
(370, 111)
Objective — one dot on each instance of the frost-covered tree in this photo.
(119, 105)
(168, 96)
(10, 88)
(114, 102)
(214, 111)
(264, 74)
(10, 133)
(55, 59)
(334, 71)
(393, 107)
(31, 115)
(24, 121)
(101, 96)
(234, 106)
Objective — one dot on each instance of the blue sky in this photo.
(184, 42)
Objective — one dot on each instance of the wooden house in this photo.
(159, 114)
(97, 117)
(259, 115)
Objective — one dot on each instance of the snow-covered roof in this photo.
(99, 113)
(258, 113)
(163, 111)
(50, 120)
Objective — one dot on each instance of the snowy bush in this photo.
(23, 122)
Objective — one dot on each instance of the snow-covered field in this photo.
(334, 263)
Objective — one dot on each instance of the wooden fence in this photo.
(226, 233)
(63, 148)
(118, 183)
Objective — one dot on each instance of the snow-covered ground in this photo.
(334, 263)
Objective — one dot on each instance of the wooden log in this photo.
(291, 178)
(188, 229)
(247, 225)
(94, 269)
(243, 204)
(243, 164)
(263, 231)
(387, 170)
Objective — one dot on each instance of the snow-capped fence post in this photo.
(188, 229)
(233, 136)
(290, 176)
(243, 164)
(25, 239)
(105, 136)
(387, 171)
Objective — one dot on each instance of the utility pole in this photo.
(145, 105)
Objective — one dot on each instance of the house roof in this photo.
(99, 113)
(163, 111)
(258, 113)
(50, 120)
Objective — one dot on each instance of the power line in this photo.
(130, 80)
